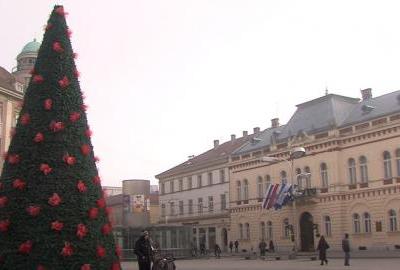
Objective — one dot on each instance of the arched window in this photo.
(324, 175)
(267, 182)
(260, 187)
(328, 225)
(387, 165)
(392, 220)
(363, 169)
(356, 223)
(247, 225)
(352, 171)
(245, 189)
(269, 230)
(398, 161)
(262, 230)
(239, 190)
(367, 222)
(286, 228)
(283, 177)
(240, 231)
(299, 178)
(307, 172)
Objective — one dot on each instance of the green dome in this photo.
(32, 46)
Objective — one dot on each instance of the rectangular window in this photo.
(180, 207)
(162, 188)
(190, 183)
(163, 210)
(180, 184)
(223, 202)
(172, 188)
(172, 208)
(210, 178)
(200, 205)
(199, 181)
(210, 203)
(222, 176)
(190, 207)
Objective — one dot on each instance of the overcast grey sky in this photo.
(163, 79)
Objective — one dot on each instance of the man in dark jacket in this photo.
(346, 249)
(143, 251)
(236, 246)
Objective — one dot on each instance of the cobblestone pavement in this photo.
(241, 264)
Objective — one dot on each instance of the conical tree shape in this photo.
(52, 211)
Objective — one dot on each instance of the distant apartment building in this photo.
(196, 193)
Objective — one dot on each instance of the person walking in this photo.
(217, 251)
(322, 247)
(143, 251)
(263, 247)
(271, 246)
(231, 246)
(346, 249)
(236, 246)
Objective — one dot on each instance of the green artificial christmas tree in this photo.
(52, 210)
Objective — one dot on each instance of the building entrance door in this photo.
(306, 232)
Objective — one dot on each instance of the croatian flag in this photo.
(266, 196)
(272, 197)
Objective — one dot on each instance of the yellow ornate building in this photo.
(350, 175)
(12, 86)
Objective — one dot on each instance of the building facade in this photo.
(196, 193)
(12, 86)
(350, 176)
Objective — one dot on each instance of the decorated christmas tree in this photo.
(52, 210)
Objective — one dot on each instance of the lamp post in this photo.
(295, 153)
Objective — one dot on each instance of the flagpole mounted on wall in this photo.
(276, 197)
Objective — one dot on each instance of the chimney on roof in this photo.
(245, 133)
(216, 143)
(366, 93)
(275, 122)
(256, 130)
(233, 137)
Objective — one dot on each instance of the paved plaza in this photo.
(241, 264)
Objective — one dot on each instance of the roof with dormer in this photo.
(325, 113)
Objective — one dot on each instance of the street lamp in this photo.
(295, 153)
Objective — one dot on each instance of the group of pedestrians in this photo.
(323, 246)
(144, 250)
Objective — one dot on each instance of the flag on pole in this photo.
(283, 196)
(266, 196)
(272, 198)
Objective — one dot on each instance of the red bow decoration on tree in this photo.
(13, 159)
(38, 79)
(57, 226)
(67, 250)
(100, 251)
(54, 200)
(19, 184)
(33, 210)
(48, 103)
(81, 231)
(3, 201)
(39, 137)
(70, 160)
(26, 247)
(64, 82)
(57, 47)
(56, 126)
(93, 212)
(74, 116)
(45, 168)
(81, 186)
(4, 224)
